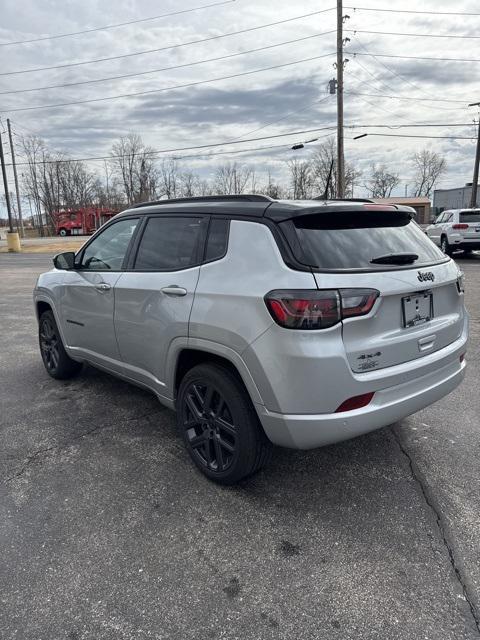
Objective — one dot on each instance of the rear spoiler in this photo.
(280, 212)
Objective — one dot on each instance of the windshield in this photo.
(352, 241)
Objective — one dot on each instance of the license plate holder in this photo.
(417, 308)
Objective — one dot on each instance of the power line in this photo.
(400, 76)
(178, 66)
(178, 86)
(306, 108)
(434, 13)
(410, 98)
(201, 146)
(401, 135)
(414, 35)
(329, 128)
(384, 84)
(391, 55)
(357, 61)
(408, 126)
(174, 46)
(118, 24)
(285, 146)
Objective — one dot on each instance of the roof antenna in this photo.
(324, 196)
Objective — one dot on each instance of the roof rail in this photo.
(245, 197)
(345, 199)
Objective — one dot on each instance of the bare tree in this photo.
(135, 168)
(54, 182)
(322, 160)
(189, 184)
(170, 185)
(205, 188)
(301, 178)
(231, 179)
(273, 189)
(429, 166)
(381, 182)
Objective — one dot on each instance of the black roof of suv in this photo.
(262, 206)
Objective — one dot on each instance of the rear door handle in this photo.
(102, 286)
(174, 290)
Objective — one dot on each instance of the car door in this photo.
(153, 298)
(447, 222)
(87, 300)
(435, 230)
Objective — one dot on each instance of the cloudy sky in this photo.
(291, 97)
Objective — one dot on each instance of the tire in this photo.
(445, 246)
(62, 232)
(55, 359)
(219, 425)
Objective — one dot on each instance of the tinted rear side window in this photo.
(351, 241)
(217, 239)
(470, 217)
(169, 244)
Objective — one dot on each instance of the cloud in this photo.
(277, 101)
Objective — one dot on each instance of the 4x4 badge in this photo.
(423, 276)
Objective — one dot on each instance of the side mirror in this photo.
(65, 260)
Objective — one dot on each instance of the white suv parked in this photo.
(456, 229)
(298, 323)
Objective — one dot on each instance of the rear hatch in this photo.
(419, 308)
(470, 221)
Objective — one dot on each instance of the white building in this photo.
(458, 198)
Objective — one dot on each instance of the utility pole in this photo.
(5, 186)
(15, 177)
(340, 63)
(473, 201)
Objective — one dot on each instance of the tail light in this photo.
(460, 226)
(312, 309)
(357, 302)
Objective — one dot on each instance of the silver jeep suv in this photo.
(298, 323)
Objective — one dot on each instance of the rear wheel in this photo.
(57, 363)
(219, 425)
(445, 246)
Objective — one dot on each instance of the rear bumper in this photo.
(307, 431)
(467, 244)
(458, 241)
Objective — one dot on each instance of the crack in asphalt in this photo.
(32, 457)
(432, 504)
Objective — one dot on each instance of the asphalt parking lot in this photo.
(108, 532)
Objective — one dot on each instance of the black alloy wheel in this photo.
(56, 360)
(49, 343)
(219, 424)
(209, 427)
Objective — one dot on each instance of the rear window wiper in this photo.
(395, 258)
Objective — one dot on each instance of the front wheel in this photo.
(445, 246)
(219, 425)
(55, 359)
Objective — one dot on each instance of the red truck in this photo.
(81, 221)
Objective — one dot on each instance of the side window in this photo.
(440, 218)
(448, 218)
(169, 244)
(217, 239)
(108, 249)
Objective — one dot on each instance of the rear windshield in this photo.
(470, 217)
(351, 241)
